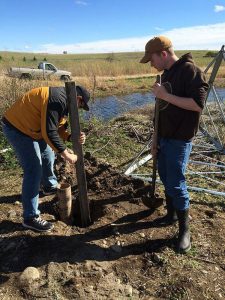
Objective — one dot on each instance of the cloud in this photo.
(208, 37)
(159, 28)
(219, 8)
(78, 2)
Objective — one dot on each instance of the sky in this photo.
(107, 26)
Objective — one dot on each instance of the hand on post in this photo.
(159, 91)
(69, 156)
(82, 138)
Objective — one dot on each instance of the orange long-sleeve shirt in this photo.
(41, 114)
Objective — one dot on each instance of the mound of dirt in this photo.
(103, 182)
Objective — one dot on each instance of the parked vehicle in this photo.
(45, 70)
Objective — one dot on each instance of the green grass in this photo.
(111, 141)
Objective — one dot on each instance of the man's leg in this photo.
(178, 153)
(49, 180)
(28, 153)
(171, 217)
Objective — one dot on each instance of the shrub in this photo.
(211, 54)
(111, 57)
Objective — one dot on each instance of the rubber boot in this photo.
(184, 238)
(171, 216)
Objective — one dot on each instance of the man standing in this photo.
(36, 127)
(178, 124)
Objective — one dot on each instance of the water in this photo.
(114, 106)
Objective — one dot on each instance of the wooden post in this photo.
(77, 148)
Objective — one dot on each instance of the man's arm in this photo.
(182, 102)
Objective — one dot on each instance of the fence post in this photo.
(77, 148)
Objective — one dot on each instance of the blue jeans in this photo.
(37, 161)
(173, 157)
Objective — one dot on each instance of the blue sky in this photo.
(93, 26)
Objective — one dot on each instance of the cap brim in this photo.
(86, 107)
(81, 91)
(145, 59)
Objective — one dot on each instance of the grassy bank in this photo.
(12, 88)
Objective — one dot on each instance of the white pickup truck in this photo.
(45, 70)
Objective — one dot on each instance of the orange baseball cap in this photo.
(156, 44)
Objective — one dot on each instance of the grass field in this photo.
(102, 74)
(108, 64)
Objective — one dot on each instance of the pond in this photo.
(110, 107)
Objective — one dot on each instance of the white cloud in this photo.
(208, 37)
(159, 28)
(78, 2)
(219, 8)
(121, 45)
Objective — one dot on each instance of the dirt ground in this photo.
(121, 255)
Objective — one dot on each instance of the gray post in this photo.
(77, 148)
(217, 62)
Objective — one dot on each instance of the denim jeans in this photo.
(173, 157)
(37, 161)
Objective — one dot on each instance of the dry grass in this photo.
(106, 64)
(13, 88)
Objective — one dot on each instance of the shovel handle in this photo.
(156, 127)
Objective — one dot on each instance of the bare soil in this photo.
(121, 255)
